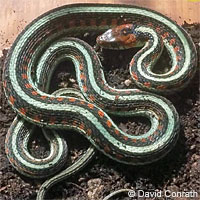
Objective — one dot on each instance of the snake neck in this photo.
(152, 47)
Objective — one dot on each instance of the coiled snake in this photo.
(48, 40)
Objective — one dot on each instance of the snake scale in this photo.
(49, 40)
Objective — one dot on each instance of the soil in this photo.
(177, 172)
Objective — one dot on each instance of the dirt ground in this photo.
(179, 171)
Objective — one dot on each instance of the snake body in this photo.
(48, 40)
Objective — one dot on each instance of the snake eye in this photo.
(126, 31)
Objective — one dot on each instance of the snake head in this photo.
(120, 37)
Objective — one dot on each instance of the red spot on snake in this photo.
(82, 76)
(36, 118)
(119, 156)
(89, 132)
(12, 100)
(117, 132)
(34, 93)
(161, 87)
(60, 98)
(6, 140)
(28, 85)
(156, 133)
(4, 84)
(151, 138)
(147, 84)
(176, 48)
(101, 113)
(23, 111)
(112, 90)
(146, 64)
(101, 105)
(92, 98)
(25, 67)
(27, 59)
(71, 99)
(128, 92)
(135, 76)
(158, 29)
(91, 106)
(23, 169)
(82, 102)
(85, 88)
(106, 87)
(12, 160)
(75, 123)
(116, 97)
(125, 138)
(171, 73)
(150, 24)
(95, 58)
(109, 123)
(106, 149)
(176, 68)
(43, 97)
(134, 140)
(64, 122)
(172, 41)
(78, 58)
(154, 56)
(81, 67)
(6, 149)
(82, 126)
(165, 35)
(132, 62)
(24, 76)
(143, 140)
(178, 58)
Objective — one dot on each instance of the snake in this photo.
(55, 37)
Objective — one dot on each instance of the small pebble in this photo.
(127, 82)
